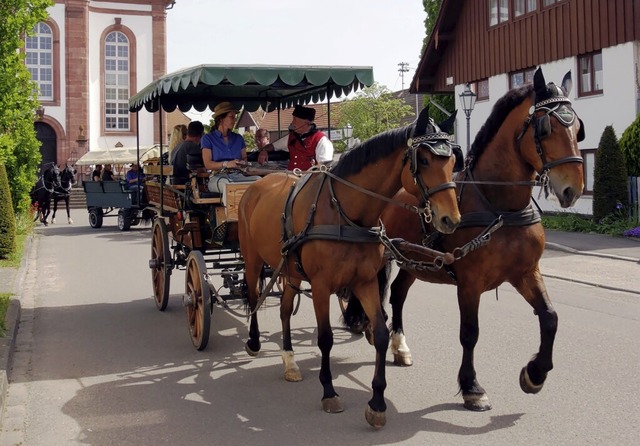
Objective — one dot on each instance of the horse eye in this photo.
(423, 161)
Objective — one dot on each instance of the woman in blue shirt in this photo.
(223, 150)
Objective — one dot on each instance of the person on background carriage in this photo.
(96, 175)
(107, 173)
(134, 177)
(306, 144)
(224, 151)
(187, 154)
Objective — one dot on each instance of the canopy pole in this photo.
(161, 163)
(138, 151)
(329, 112)
(279, 126)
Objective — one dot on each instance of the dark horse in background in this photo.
(63, 192)
(329, 236)
(530, 138)
(42, 191)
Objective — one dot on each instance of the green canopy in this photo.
(249, 86)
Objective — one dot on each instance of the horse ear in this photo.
(538, 81)
(567, 83)
(422, 122)
(447, 124)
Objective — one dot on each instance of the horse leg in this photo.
(399, 290)
(55, 208)
(66, 203)
(474, 396)
(534, 374)
(291, 369)
(368, 294)
(330, 399)
(252, 276)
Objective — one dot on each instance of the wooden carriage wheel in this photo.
(160, 264)
(197, 300)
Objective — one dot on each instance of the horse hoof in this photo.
(402, 359)
(70, 221)
(332, 405)
(377, 420)
(525, 383)
(249, 351)
(53, 221)
(477, 403)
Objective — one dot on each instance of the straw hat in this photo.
(223, 108)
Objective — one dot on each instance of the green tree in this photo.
(446, 101)
(609, 177)
(373, 110)
(630, 145)
(7, 217)
(19, 148)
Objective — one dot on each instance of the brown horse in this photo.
(322, 228)
(531, 131)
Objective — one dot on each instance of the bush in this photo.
(610, 177)
(615, 224)
(630, 145)
(7, 217)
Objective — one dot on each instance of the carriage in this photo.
(113, 198)
(195, 229)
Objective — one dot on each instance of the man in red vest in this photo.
(307, 146)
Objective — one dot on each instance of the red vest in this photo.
(302, 154)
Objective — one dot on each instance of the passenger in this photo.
(223, 150)
(178, 135)
(187, 153)
(107, 173)
(307, 145)
(134, 177)
(262, 138)
(97, 173)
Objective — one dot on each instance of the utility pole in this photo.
(404, 67)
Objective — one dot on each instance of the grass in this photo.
(614, 224)
(24, 228)
(4, 305)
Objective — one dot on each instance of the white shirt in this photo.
(324, 149)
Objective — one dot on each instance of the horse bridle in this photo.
(439, 144)
(542, 129)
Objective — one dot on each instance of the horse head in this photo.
(431, 158)
(551, 143)
(68, 175)
(51, 177)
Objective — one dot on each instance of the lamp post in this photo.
(347, 132)
(468, 100)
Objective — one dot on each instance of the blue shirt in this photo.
(220, 150)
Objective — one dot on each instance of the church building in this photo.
(88, 57)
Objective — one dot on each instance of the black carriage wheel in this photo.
(198, 305)
(160, 264)
(124, 222)
(95, 218)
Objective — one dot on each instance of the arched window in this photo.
(116, 75)
(39, 59)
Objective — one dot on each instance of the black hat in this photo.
(304, 112)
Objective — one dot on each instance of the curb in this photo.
(12, 322)
(558, 247)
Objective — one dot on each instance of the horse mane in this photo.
(372, 150)
(499, 113)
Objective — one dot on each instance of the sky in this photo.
(377, 33)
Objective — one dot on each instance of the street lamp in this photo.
(468, 100)
(347, 131)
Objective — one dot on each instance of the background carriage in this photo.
(113, 198)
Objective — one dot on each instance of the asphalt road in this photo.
(97, 364)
